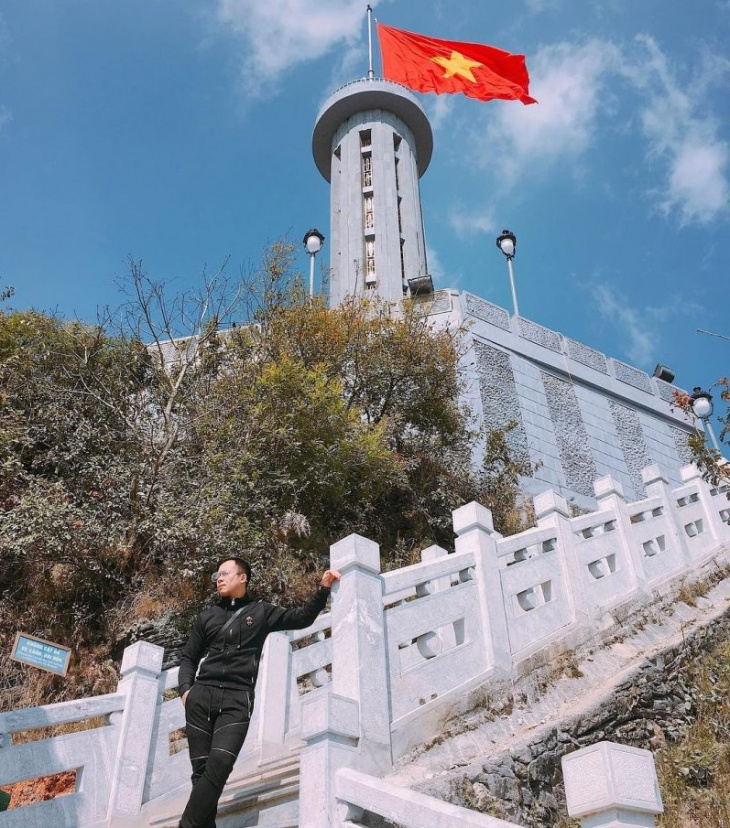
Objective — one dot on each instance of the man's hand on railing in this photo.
(329, 577)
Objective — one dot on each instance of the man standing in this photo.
(225, 643)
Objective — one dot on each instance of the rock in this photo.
(542, 769)
(547, 800)
(481, 792)
(504, 789)
(472, 772)
(523, 754)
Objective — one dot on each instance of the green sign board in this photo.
(39, 653)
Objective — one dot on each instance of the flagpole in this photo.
(371, 74)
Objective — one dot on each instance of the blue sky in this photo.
(179, 134)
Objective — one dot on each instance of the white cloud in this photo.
(712, 71)
(467, 221)
(694, 158)
(442, 277)
(439, 111)
(5, 116)
(353, 63)
(639, 330)
(283, 33)
(575, 85)
(698, 184)
(538, 6)
(630, 326)
(435, 266)
(568, 81)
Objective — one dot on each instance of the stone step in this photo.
(264, 795)
(267, 768)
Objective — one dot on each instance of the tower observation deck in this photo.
(372, 142)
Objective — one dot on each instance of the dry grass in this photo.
(690, 592)
(694, 772)
(38, 734)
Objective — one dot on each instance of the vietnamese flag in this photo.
(429, 65)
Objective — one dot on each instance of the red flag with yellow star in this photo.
(429, 65)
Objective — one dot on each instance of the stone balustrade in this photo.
(398, 653)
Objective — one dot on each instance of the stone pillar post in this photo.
(272, 701)
(718, 528)
(445, 638)
(359, 659)
(612, 786)
(141, 667)
(347, 723)
(657, 485)
(610, 496)
(475, 530)
(435, 553)
(551, 511)
(330, 728)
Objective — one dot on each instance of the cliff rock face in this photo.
(159, 632)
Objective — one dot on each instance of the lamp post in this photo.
(702, 407)
(312, 241)
(507, 243)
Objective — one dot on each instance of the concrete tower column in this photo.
(372, 141)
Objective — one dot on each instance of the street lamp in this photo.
(702, 408)
(507, 243)
(312, 241)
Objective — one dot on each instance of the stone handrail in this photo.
(71, 752)
(358, 792)
(398, 653)
(606, 785)
(110, 760)
(429, 633)
(69, 712)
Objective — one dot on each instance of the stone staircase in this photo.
(258, 794)
(412, 657)
(483, 748)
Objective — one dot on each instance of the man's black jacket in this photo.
(232, 661)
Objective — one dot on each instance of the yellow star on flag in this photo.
(457, 64)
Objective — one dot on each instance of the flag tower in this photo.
(372, 142)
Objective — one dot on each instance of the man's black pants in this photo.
(216, 723)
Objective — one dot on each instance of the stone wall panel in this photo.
(633, 445)
(500, 401)
(576, 458)
(487, 311)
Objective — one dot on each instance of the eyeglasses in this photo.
(224, 573)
